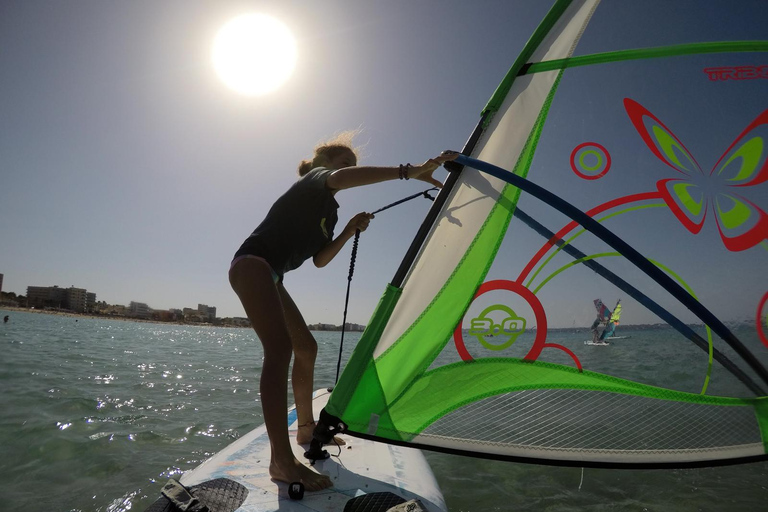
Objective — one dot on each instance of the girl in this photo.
(299, 226)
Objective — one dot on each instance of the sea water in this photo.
(97, 414)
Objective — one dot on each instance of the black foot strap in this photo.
(383, 502)
(182, 498)
(218, 495)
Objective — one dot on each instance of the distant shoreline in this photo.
(72, 314)
(312, 327)
(75, 315)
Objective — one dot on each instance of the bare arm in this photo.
(357, 176)
(332, 248)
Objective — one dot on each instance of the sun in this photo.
(254, 54)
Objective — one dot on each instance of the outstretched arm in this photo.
(357, 176)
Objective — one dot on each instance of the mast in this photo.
(487, 114)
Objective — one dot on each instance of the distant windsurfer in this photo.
(300, 226)
(609, 319)
(612, 321)
(595, 333)
(603, 314)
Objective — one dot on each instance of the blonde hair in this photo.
(329, 149)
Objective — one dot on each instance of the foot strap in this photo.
(182, 498)
(409, 506)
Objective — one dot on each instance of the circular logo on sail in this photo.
(590, 160)
(497, 327)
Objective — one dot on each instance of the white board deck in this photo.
(361, 467)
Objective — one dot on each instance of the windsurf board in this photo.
(366, 475)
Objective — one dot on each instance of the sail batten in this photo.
(646, 53)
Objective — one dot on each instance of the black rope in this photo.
(346, 302)
(353, 258)
(414, 196)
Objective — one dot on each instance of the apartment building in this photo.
(139, 310)
(208, 312)
(74, 299)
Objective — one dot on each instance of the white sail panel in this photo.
(476, 194)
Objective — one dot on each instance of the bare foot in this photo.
(295, 471)
(304, 435)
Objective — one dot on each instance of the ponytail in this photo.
(305, 166)
(326, 150)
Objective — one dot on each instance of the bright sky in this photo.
(130, 169)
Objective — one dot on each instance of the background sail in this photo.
(616, 315)
(475, 351)
(610, 329)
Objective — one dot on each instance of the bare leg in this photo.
(302, 377)
(252, 281)
(305, 352)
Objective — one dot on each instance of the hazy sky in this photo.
(128, 168)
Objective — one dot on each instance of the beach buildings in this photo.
(80, 300)
(74, 299)
(209, 312)
(203, 313)
(139, 310)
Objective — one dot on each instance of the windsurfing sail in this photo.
(613, 321)
(603, 313)
(625, 152)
